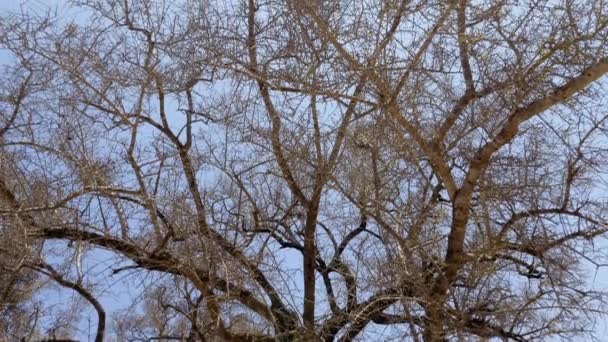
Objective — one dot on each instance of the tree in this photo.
(314, 170)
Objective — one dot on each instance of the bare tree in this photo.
(310, 170)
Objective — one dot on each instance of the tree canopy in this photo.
(267, 170)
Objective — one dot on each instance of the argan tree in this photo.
(308, 170)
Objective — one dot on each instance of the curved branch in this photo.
(49, 271)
